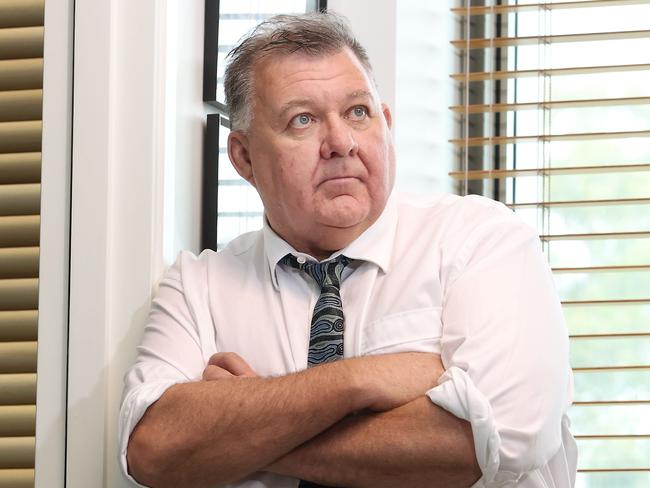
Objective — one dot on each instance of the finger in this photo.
(233, 363)
(212, 372)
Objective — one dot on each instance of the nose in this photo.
(338, 140)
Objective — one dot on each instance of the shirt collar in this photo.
(375, 245)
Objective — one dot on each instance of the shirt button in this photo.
(301, 260)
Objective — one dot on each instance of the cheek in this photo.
(293, 178)
(379, 160)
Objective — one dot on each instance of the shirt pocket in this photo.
(412, 331)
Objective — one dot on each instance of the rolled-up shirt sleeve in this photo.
(170, 352)
(504, 347)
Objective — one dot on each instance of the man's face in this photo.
(318, 150)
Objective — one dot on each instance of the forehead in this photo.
(279, 78)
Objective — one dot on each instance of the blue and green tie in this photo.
(327, 321)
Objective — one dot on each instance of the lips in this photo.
(341, 178)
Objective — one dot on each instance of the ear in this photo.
(240, 156)
(387, 115)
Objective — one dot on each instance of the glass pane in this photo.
(612, 385)
(584, 20)
(613, 285)
(589, 219)
(613, 453)
(610, 419)
(239, 206)
(238, 17)
(619, 351)
(598, 319)
(241, 197)
(611, 480)
(599, 252)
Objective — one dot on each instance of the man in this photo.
(359, 339)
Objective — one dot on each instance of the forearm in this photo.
(210, 433)
(415, 445)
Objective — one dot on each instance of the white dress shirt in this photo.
(458, 276)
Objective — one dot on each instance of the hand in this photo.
(391, 380)
(227, 365)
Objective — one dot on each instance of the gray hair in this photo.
(314, 34)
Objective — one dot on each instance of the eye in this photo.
(300, 121)
(359, 112)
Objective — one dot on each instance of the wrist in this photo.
(360, 393)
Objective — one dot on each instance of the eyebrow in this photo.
(358, 94)
(306, 102)
(298, 102)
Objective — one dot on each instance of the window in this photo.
(554, 120)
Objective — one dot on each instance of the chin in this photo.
(344, 212)
(343, 220)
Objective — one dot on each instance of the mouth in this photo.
(340, 179)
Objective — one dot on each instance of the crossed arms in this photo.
(353, 423)
(365, 421)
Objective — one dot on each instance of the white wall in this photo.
(424, 92)
(115, 221)
(54, 245)
(373, 23)
(137, 154)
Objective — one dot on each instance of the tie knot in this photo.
(325, 274)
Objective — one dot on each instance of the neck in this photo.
(321, 244)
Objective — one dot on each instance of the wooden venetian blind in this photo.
(21, 68)
(554, 120)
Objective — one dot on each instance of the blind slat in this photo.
(582, 203)
(18, 105)
(500, 9)
(584, 136)
(20, 168)
(612, 335)
(18, 262)
(18, 231)
(18, 325)
(20, 199)
(21, 13)
(560, 38)
(16, 478)
(600, 235)
(551, 72)
(17, 420)
(567, 170)
(604, 403)
(612, 436)
(596, 269)
(19, 294)
(21, 74)
(16, 452)
(17, 389)
(599, 369)
(622, 301)
(547, 105)
(21, 42)
(24, 136)
(17, 357)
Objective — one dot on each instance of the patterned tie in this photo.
(327, 322)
